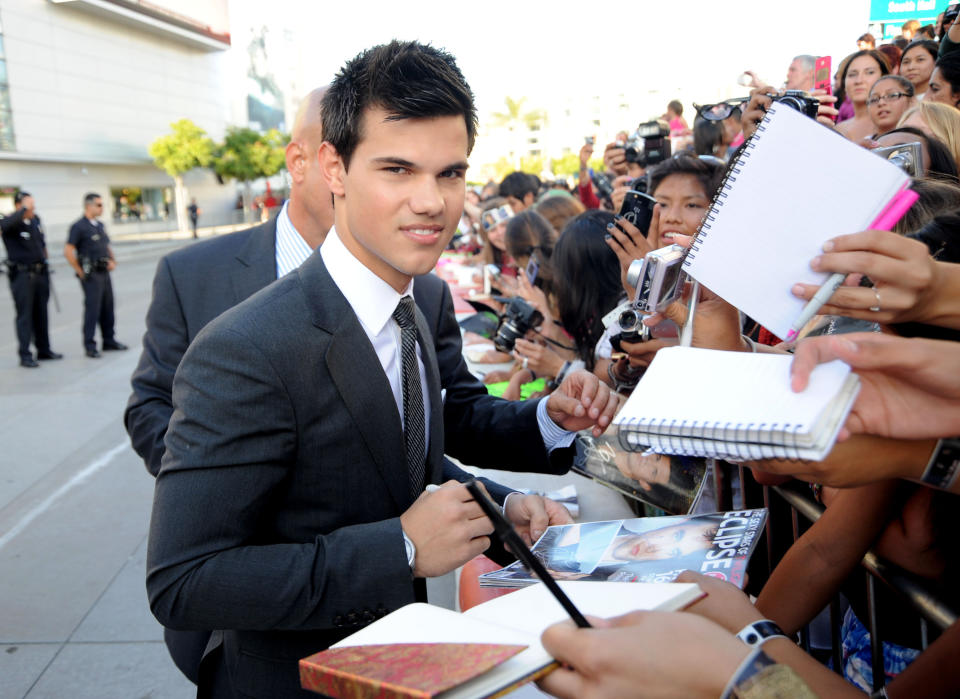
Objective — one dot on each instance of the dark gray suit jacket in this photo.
(192, 286)
(276, 512)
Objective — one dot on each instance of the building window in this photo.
(141, 203)
(7, 141)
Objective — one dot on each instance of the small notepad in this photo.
(795, 185)
(735, 405)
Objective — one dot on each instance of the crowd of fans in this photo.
(565, 248)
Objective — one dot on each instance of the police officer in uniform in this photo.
(88, 252)
(29, 279)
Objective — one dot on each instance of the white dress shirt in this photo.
(291, 248)
(373, 300)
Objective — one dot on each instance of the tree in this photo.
(518, 122)
(534, 164)
(185, 148)
(246, 155)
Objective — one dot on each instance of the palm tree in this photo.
(518, 122)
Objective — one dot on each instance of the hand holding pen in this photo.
(905, 277)
(818, 298)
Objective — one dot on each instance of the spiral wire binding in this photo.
(725, 186)
(717, 440)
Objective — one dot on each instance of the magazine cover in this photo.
(646, 549)
(672, 483)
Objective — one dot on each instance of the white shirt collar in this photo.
(372, 299)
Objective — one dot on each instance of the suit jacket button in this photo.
(368, 616)
(338, 620)
(352, 618)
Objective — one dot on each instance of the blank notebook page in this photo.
(740, 388)
(797, 185)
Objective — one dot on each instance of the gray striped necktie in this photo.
(414, 425)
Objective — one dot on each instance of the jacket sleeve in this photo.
(480, 429)
(150, 406)
(214, 560)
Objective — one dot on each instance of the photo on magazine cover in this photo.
(672, 483)
(646, 549)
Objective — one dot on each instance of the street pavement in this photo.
(75, 507)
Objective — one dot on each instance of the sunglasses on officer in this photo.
(720, 110)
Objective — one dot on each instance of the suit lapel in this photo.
(257, 262)
(359, 378)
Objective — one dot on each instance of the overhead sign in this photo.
(902, 10)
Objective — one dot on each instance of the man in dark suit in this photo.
(289, 508)
(195, 284)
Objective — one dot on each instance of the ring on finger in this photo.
(876, 307)
(526, 361)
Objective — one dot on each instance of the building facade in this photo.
(87, 85)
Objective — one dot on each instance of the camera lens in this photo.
(506, 337)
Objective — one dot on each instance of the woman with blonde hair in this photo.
(938, 119)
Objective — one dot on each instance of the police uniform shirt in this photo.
(90, 239)
(24, 239)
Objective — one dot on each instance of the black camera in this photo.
(603, 185)
(649, 144)
(518, 318)
(800, 100)
(632, 328)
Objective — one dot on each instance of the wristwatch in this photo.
(760, 631)
(944, 465)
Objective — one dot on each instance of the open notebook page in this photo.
(801, 185)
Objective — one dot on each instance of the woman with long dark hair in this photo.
(588, 280)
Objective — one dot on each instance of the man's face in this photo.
(398, 204)
(798, 78)
(95, 207)
(519, 205)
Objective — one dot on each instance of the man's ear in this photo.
(332, 168)
(296, 161)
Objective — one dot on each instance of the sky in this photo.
(694, 48)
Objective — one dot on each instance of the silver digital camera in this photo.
(906, 156)
(658, 279)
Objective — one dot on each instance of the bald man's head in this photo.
(308, 126)
(311, 205)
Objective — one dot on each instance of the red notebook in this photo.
(400, 670)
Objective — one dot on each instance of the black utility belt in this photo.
(90, 264)
(35, 267)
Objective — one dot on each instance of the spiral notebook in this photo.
(796, 184)
(735, 405)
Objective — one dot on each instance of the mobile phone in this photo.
(822, 80)
(589, 140)
(637, 208)
(533, 269)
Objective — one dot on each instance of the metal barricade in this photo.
(932, 611)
